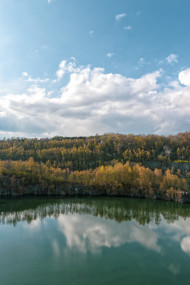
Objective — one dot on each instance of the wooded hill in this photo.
(112, 163)
(81, 153)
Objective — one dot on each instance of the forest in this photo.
(113, 162)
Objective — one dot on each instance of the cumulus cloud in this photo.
(65, 67)
(120, 16)
(93, 101)
(172, 58)
(184, 77)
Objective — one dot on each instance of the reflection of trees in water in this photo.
(118, 209)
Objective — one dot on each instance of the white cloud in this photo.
(66, 67)
(120, 16)
(110, 54)
(37, 80)
(127, 28)
(62, 69)
(25, 74)
(184, 77)
(34, 80)
(95, 102)
(172, 58)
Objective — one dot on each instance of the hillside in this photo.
(155, 167)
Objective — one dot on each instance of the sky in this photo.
(80, 67)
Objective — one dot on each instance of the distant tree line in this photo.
(91, 152)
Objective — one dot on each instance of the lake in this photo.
(93, 241)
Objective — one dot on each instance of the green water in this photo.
(94, 241)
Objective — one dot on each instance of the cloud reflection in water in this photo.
(89, 233)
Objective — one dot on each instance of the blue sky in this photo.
(80, 67)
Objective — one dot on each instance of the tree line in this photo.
(116, 179)
(91, 152)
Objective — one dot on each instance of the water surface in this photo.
(93, 241)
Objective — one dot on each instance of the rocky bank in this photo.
(7, 189)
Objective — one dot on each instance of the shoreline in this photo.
(74, 190)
